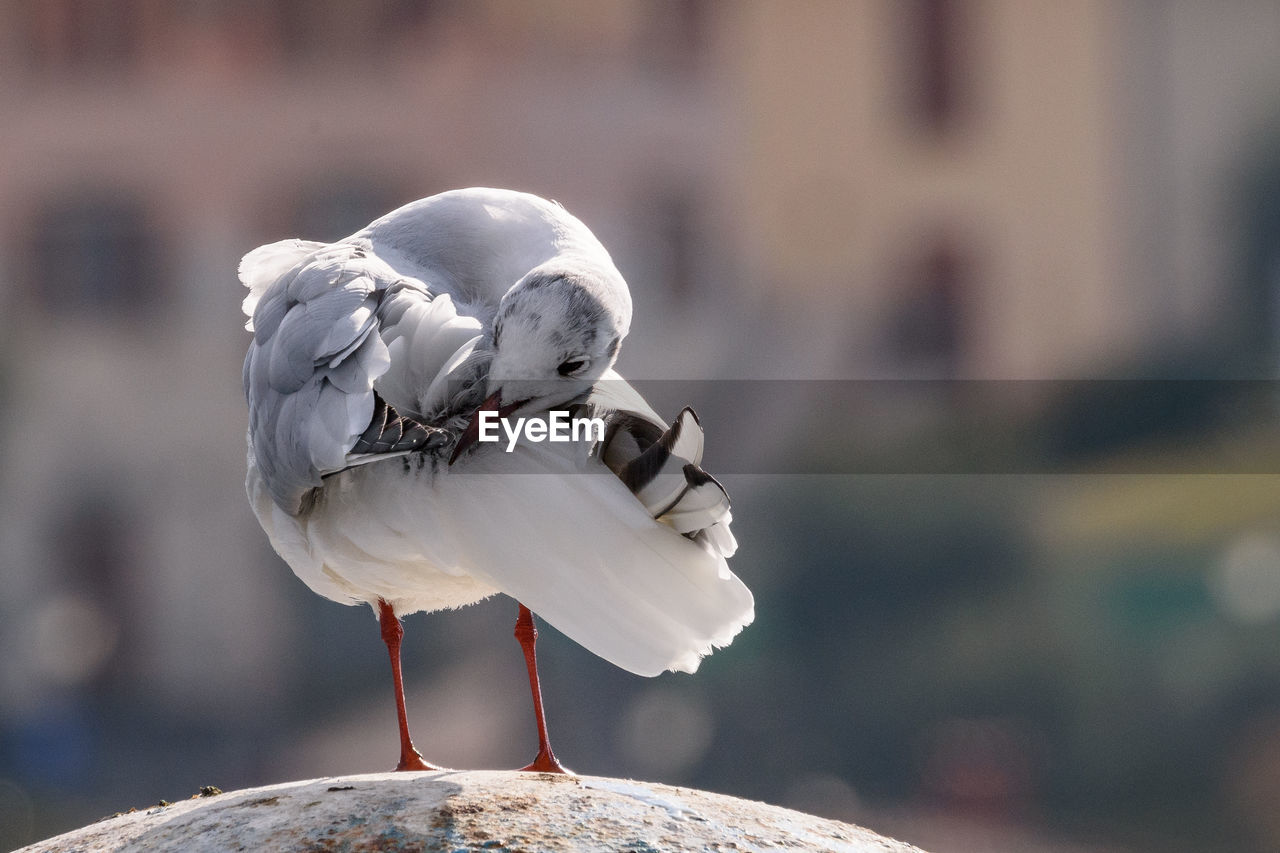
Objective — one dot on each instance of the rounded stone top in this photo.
(476, 810)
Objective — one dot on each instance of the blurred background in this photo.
(996, 282)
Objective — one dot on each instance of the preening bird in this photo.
(373, 362)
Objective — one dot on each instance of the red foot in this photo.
(527, 634)
(546, 763)
(392, 634)
(414, 761)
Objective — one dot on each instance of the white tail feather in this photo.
(634, 592)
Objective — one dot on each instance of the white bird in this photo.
(371, 362)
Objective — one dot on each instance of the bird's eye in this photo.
(572, 366)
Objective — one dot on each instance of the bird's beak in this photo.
(471, 434)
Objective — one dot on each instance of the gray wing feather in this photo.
(322, 325)
(327, 328)
(268, 315)
(310, 370)
(267, 264)
(355, 375)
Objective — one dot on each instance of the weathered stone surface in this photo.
(468, 811)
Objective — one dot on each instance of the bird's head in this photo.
(555, 333)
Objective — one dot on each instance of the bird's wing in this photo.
(345, 353)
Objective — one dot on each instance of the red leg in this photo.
(527, 634)
(392, 633)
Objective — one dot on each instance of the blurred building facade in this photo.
(943, 188)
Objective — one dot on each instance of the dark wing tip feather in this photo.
(391, 432)
(645, 432)
(376, 425)
(641, 471)
(657, 447)
(697, 477)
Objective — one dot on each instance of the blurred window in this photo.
(94, 253)
(304, 28)
(395, 17)
(1255, 305)
(679, 240)
(674, 34)
(926, 330)
(92, 542)
(935, 61)
(673, 240)
(310, 30)
(81, 35)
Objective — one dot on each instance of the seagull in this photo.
(376, 364)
